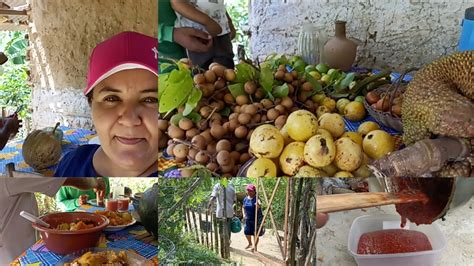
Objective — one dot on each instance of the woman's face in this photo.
(125, 114)
(251, 193)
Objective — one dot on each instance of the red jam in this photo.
(438, 191)
(393, 241)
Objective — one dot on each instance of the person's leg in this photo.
(248, 233)
(249, 240)
(223, 53)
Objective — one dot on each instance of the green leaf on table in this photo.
(266, 79)
(176, 118)
(245, 72)
(194, 116)
(316, 85)
(335, 76)
(188, 108)
(192, 101)
(281, 91)
(162, 83)
(226, 111)
(179, 86)
(166, 67)
(195, 96)
(236, 89)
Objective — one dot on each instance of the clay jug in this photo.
(339, 51)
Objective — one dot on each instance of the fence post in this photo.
(216, 233)
(200, 227)
(195, 225)
(207, 229)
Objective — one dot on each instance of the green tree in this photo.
(239, 12)
(14, 89)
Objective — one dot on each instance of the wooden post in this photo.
(225, 227)
(312, 247)
(195, 225)
(216, 233)
(207, 229)
(287, 202)
(295, 224)
(188, 217)
(200, 227)
(212, 232)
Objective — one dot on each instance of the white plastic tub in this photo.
(369, 223)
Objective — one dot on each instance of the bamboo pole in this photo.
(256, 217)
(269, 203)
(287, 202)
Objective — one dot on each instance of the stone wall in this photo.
(395, 34)
(62, 35)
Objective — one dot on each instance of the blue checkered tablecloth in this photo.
(12, 153)
(39, 255)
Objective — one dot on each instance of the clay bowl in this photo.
(64, 242)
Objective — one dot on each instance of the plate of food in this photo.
(104, 256)
(117, 220)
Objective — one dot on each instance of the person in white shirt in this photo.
(230, 198)
(210, 16)
(16, 195)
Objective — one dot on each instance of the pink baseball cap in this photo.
(251, 187)
(126, 50)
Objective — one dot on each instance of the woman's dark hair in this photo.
(89, 97)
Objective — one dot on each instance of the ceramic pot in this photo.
(339, 51)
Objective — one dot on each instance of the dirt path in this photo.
(268, 250)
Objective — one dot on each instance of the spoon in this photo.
(30, 217)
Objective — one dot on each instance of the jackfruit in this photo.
(439, 102)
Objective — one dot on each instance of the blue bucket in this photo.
(466, 42)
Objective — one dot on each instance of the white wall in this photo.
(396, 34)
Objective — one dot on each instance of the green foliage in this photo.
(238, 10)
(14, 89)
(171, 192)
(245, 72)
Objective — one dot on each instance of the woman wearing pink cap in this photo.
(122, 90)
(249, 204)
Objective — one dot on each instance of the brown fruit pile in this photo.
(221, 142)
(386, 101)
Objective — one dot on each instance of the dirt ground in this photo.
(268, 250)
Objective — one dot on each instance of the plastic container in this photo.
(369, 223)
(466, 41)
